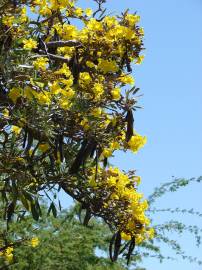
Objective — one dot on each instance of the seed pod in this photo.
(130, 121)
(130, 250)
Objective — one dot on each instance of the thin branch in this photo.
(61, 43)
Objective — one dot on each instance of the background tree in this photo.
(64, 243)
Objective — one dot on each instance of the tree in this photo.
(64, 112)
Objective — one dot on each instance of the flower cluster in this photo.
(119, 190)
(7, 254)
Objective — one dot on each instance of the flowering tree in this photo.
(66, 104)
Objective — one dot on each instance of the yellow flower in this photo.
(23, 17)
(141, 31)
(94, 25)
(139, 239)
(41, 63)
(68, 93)
(139, 60)
(78, 12)
(98, 89)
(64, 103)
(106, 153)
(127, 79)
(14, 94)
(64, 70)
(34, 242)
(116, 93)
(29, 44)
(43, 98)
(88, 12)
(90, 64)
(132, 19)
(96, 112)
(55, 88)
(125, 236)
(151, 233)
(114, 145)
(5, 113)
(8, 20)
(16, 129)
(110, 21)
(67, 31)
(136, 142)
(107, 66)
(8, 254)
(44, 147)
(85, 78)
(85, 124)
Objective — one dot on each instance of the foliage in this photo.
(64, 112)
(80, 247)
(64, 243)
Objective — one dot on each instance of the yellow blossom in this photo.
(34, 242)
(141, 31)
(127, 79)
(23, 17)
(64, 70)
(85, 124)
(90, 64)
(125, 236)
(5, 113)
(78, 12)
(140, 59)
(44, 98)
(136, 142)
(98, 89)
(110, 21)
(8, 254)
(116, 95)
(132, 19)
(94, 25)
(16, 129)
(88, 12)
(151, 233)
(44, 147)
(29, 44)
(8, 20)
(41, 63)
(14, 94)
(85, 78)
(106, 153)
(55, 88)
(107, 66)
(96, 112)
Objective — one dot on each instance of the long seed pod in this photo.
(117, 246)
(25, 138)
(83, 154)
(60, 147)
(128, 65)
(130, 250)
(111, 247)
(29, 142)
(79, 158)
(130, 122)
(75, 67)
(87, 217)
(114, 247)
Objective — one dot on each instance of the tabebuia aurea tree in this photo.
(67, 100)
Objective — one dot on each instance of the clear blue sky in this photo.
(171, 80)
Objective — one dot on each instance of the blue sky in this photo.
(170, 79)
